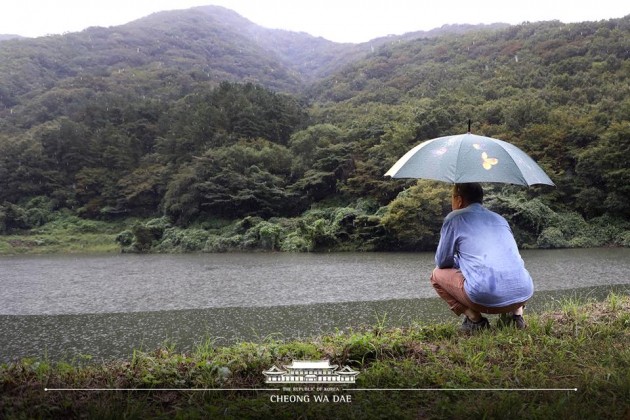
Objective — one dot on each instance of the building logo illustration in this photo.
(310, 372)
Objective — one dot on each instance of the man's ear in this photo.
(458, 201)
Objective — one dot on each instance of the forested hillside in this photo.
(198, 130)
(4, 37)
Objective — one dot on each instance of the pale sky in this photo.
(336, 20)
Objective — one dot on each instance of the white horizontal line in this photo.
(345, 390)
(159, 389)
(463, 389)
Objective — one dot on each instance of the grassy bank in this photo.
(422, 371)
(404, 225)
(66, 234)
(91, 243)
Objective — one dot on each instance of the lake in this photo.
(63, 306)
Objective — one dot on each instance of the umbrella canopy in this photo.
(469, 158)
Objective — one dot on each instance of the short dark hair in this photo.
(471, 192)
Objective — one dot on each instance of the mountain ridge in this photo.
(185, 114)
(208, 43)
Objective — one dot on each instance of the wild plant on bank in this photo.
(568, 361)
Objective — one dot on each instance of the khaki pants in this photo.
(449, 284)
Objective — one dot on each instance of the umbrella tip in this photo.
(469, 122)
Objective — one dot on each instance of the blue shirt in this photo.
(480, 243)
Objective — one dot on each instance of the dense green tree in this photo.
(305, 143)
(67, 145)
(244, 179)
(185, 116)
(23, 173)
(142, 190)
(604, 171)
(414, 218)
(222, 116)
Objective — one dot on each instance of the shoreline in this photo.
(582, 345)
(96, 243)
(309, 233)
(21, 332)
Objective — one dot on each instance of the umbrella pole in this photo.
(469, 122)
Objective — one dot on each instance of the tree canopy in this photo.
(194, 121)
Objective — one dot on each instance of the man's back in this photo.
(484, 249)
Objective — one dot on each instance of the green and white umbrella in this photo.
(469, 158)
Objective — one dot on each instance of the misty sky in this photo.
(336, 20)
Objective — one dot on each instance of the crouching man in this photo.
(479, 269)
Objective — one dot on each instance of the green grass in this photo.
(583, 345)
(66, 234)
(58, 244)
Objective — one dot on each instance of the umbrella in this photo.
(469, 158)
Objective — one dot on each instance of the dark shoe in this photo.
(470, 326)
(511, 320)
(518, 322)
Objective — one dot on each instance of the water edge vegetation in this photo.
(411, 222)
(571, 362)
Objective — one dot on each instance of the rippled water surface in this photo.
(106, 306)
